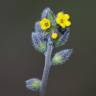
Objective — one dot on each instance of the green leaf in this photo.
(51, 17)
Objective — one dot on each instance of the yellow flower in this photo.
(54, 35)
(45, 24)
(62, 19)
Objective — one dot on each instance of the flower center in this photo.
(46, 24)
(62, 21)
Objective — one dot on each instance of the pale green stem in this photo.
(46, 68)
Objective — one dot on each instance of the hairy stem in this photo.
(46, 68)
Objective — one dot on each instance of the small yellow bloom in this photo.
(54, 35)
(63, 19)
(45, 24)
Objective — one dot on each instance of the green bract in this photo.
(36, 85)
(57, 59)
(42, 47)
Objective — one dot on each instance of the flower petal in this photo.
(63, 25)
(68, 23)
(66, 16)
(60, 14)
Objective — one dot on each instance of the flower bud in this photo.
(33, 84)
(61, 57)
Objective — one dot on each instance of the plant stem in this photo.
(46, 68)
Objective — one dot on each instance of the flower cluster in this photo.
(55, 26)
(61, 21)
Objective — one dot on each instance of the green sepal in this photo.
(42, 47)
(36, 85)
(57, 60)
